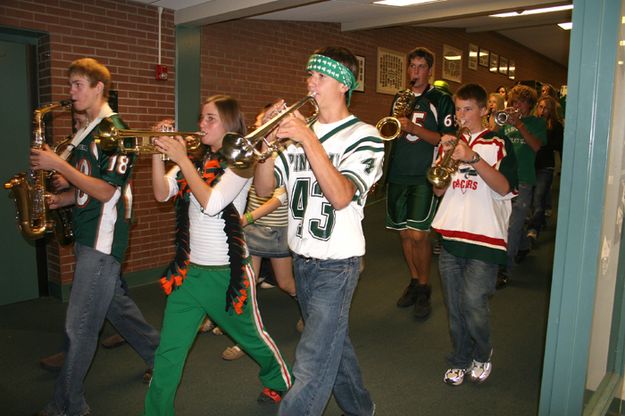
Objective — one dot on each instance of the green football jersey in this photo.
(410, 156)
(525, 156)
(103, 225)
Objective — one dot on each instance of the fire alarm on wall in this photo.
(161, 72)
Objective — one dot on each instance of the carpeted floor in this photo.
(403, 360)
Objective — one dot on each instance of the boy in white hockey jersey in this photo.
(473, 222)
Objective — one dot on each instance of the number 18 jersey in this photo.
(102, 225)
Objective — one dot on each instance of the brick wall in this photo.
(258, 61)
(124, 36)
(255, 61)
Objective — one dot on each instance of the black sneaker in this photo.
(502, 280)
(409, 297)
(521, 255)
(423, 306)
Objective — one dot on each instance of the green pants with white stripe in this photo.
(203, 293)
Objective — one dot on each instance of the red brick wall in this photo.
(255, 61)
(258, 61)
(124, 36)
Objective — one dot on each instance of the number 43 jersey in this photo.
(102, 225)
(316, 229)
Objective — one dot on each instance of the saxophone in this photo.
(28, 190)
(389, 127)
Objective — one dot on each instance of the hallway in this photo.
(403, 360)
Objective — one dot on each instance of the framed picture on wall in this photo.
(432, 78)
(391, 71)
(361, 74)
(511, 69)
(472, 60)
(494, 62)
(503, 65)
(452, 63)
(483, 57)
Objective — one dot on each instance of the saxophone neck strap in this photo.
(80, 135)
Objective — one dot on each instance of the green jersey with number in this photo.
(525, 155)
(102, 225)
(411, 156)
(315, 228)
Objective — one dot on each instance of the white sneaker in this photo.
(480, 371)
(454, 376)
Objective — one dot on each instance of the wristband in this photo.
(476, 158)
(249, 218)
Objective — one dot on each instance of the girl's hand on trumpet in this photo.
(175, 148)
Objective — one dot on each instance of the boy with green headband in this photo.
(327, 172)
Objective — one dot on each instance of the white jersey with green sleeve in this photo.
(315, 228)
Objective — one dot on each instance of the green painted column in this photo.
(188, 77)
(582, 194)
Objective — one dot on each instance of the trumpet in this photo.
(241, 152)
(389, 127)
(113, 139)
(502, 117)
(439, 175)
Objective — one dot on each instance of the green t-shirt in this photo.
(524, 154)
(410, 156)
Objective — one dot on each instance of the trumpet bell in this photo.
(242, 152)
(238, 151)
(439, 176)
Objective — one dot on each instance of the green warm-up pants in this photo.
(203, 292)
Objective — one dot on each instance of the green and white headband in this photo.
(334, 69)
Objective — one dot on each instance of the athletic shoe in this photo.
(206, 326)
(147, 376)
(480, 371)
(409, 297)
(454, 376)
(269, 396)
(232, 353)
(423, 306)
(113, 341)
(53, 362)
(502, 280)
(299, 326)
(266, 285)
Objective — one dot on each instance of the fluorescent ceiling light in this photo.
(402, 3)
(566, 26)
(534, 11)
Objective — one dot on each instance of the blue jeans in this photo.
(517, 236)
(541, 198)
(467, 285)
(96, 294)
(325, 361)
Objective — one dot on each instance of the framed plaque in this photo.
(452, 64)
(391, 71)
(473, 55)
